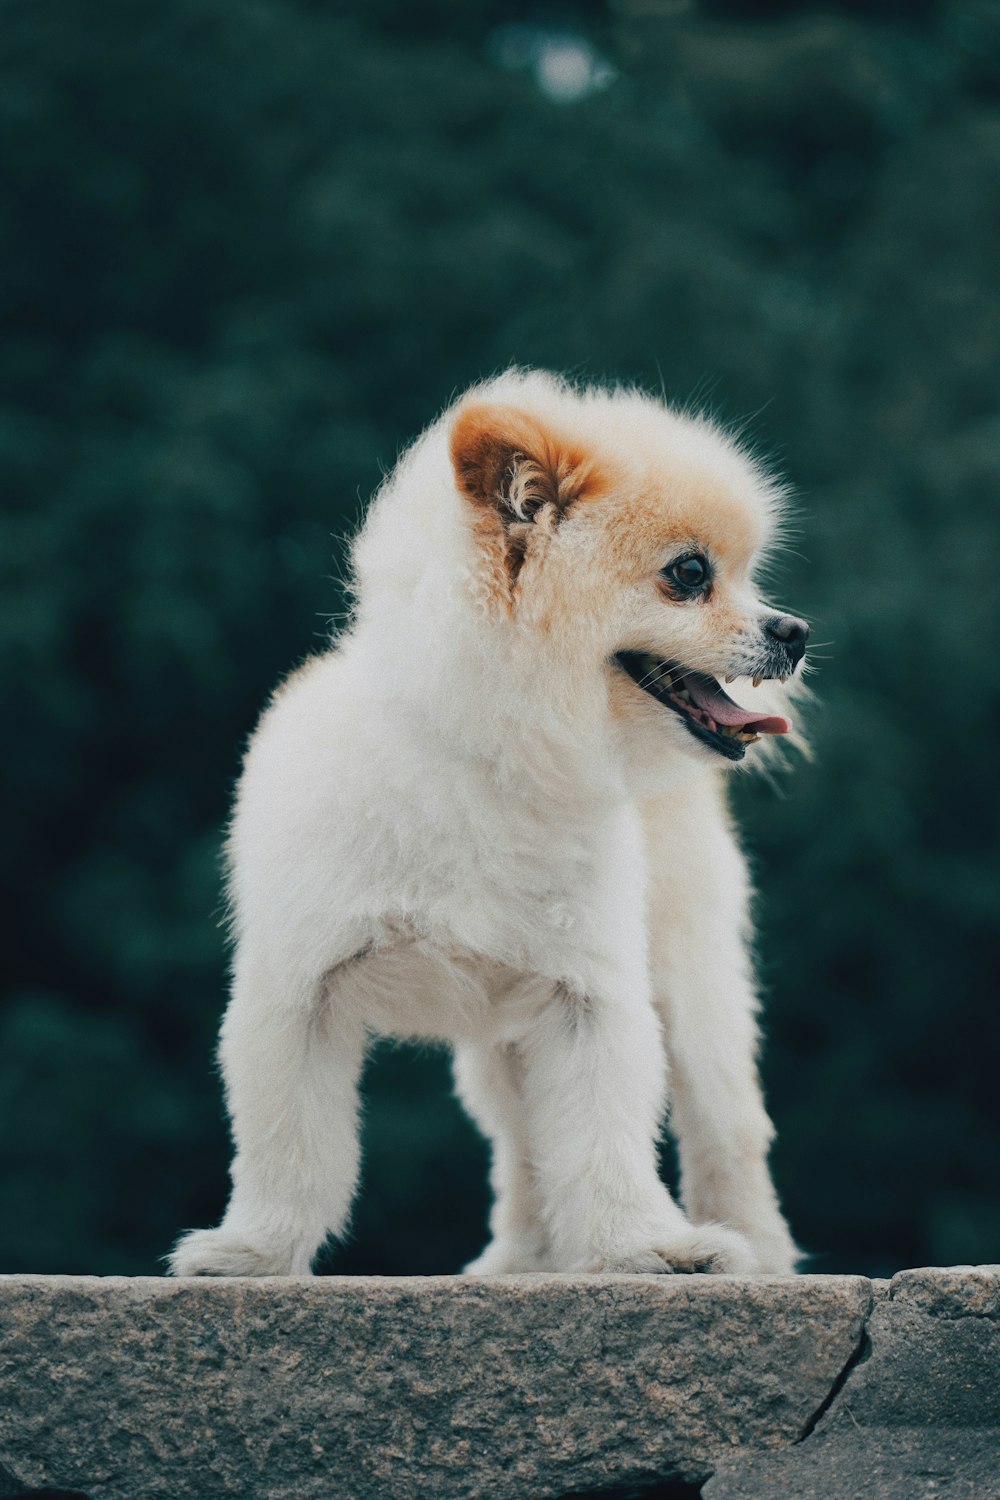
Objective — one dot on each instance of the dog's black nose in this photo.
(790, 633)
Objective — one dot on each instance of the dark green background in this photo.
(247, 249)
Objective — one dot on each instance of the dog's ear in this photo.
(508, 461)
(520, 479)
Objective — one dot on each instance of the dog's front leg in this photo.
(704, 988)
(593, 1091)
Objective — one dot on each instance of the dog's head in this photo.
(629, 537)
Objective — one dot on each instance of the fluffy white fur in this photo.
(465, 822)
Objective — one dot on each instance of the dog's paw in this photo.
(509, 1257)
(223, 1252)
(777, 1253)
(706, 1248)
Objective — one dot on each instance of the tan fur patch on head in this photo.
(690, 508)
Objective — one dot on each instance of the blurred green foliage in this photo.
(249, 247)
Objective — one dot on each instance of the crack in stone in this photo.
(858, 1356)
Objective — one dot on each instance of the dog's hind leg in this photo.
(291, 1057)
(704, 989)
(488, 1080)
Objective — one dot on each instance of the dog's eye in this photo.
(688, 574)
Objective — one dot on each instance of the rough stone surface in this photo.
(448, 1387)
(820, 1388)
(919, 1412)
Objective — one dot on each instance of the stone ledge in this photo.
(919, 1411)
(521, 1387)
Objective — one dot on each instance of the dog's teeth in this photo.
(757, 681)
(683, 693)
(732, 678)
(784, 679)
(730, 731)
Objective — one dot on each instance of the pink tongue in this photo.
(709, 696)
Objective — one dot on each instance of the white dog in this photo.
(494, 814)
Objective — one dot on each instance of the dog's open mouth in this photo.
(708, 712)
